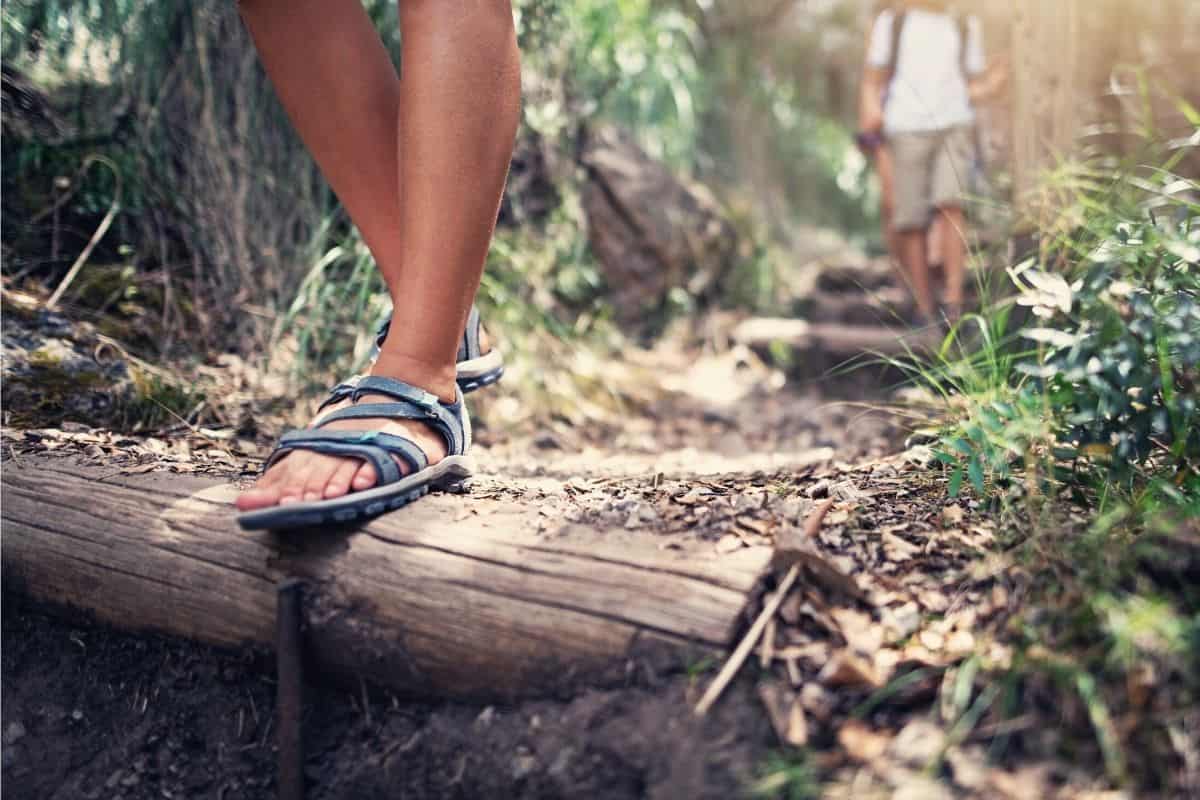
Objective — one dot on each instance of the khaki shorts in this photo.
(932, 170)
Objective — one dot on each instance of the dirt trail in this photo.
(90, 712)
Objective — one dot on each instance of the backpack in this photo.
(898, 29)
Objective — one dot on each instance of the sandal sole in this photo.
(357, 507)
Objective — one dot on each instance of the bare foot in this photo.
(305, 476)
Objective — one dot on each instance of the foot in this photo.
(305, 476)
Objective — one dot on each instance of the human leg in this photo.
(913, 154)
(452, 123)
(951, 189)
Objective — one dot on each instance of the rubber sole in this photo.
(361, 506)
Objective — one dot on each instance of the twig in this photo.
(738, 658)
(727, 673)
(96, 237)
(290, 690)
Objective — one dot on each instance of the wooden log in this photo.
(828, 337)
(455, 595)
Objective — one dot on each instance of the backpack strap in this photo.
(898, 18)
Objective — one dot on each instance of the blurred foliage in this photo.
(223, 209)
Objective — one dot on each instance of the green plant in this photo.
(787, 777)
(1111, 387)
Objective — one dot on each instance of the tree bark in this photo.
(464, 596)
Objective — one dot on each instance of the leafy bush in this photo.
(1109, 382)
(1119, 359)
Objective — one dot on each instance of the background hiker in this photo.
(922, 61)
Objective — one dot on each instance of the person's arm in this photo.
(870, 101)
(984, 81)
(875, 75)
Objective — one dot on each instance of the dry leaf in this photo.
(901, 622)
(931, 640)
(859, 631)
(918, 743)
(817, 701)
(861, 743)
(785, 713)
(960, 643)
(848, 670)
(934, 601)
(952, 515)
(896, 549)
(729, 543)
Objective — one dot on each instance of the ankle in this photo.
(436, 378)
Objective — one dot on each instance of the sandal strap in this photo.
(448, 419)
(469, 348)
(403, 447)
(380, 458)
(340, 392)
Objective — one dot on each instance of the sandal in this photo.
(393, 489)
(475, 368)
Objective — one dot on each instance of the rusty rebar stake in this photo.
(289, 697)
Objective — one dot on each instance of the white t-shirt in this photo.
(928, 91)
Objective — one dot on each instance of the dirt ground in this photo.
(93, 713)
(89, 712)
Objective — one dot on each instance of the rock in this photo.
(918, 743)
(13, 733)
(650, 231)
(523, 764)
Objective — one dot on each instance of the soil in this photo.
(95, 713)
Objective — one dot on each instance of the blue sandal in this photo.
(476, 369)
(392, 489)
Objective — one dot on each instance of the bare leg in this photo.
(457, 108)
(334, 77)
(885, 166)
(954, 257)
(912, 250)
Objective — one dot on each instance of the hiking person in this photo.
(924, 67)
(419, 163)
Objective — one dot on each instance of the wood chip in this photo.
(785, 713)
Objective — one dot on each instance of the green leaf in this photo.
(975, 470)
(956, 482)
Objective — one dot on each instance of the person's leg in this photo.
(913, 154)
(885, 168)
(340, 89)
(458, 107)
(951, 188)
(954, 258)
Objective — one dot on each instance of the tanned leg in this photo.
(916, 265)
(954, 257)
(447, 157)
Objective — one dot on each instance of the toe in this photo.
(364, 478)
(318, 478)
(339, 484)
(292, 488)
(257, 497)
